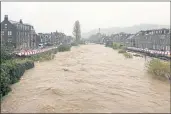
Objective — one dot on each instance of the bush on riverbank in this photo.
(137, 55)
(127, 55)
(55, 50)
(122, 51)
(63, 48)
(48, 55)
(117, 46)
(5, 53)
(158, 68)
(5, 81)
(74, 44)
(109, 44)
(11, 72)
(42, 57)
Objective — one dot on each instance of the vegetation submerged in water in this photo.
(122, 51)
(62, 48)
(116, 46)
(158, 68)
(74, 44)
(127, 55)
(49, 55)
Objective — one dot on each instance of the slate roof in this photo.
(15, 23)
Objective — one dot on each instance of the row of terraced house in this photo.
(54, 38)
(22, 36)
(157, 39)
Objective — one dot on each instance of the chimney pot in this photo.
(6, 17)
(21, 21)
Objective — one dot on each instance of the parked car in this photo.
(40, 46)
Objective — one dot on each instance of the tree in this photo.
(6, 53)
(77, 31)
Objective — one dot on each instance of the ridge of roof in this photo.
(15, 22)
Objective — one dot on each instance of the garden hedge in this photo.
(11, 72)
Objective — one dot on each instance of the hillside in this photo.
(132, 29)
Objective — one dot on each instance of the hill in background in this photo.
(133, 29)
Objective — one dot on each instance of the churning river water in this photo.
(89, 78)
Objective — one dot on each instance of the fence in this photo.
(164, 53)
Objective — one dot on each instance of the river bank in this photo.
(89, 78)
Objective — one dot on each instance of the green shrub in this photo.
(74, 44)
(82, 42)
(5, 54)
(122, 51)
(127, 55)
(5, 81)
(29, 65)
(109, 44)
(11, 72)
(55, 51)
(62, 48)
(44, 56)
(123, 47)
(117, 46)
(11, 66)
(158, 68)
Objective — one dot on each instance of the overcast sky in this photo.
(60, 16)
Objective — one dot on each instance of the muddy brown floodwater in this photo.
(89, 78)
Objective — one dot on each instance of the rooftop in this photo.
(15, 22)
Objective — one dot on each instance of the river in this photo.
(89, 78)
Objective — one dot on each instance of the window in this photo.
(6, 26)
(9, 33)
(9, 39)
(2, 32)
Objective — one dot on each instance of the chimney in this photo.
(21, 21)
(6, 17)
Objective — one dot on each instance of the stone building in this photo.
(18, 35)
(45, 38)
(130, 41)
(54, 38)
(120, 38)
(158, 39)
